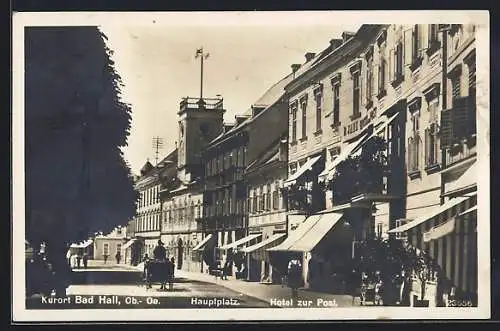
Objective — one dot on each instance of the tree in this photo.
(361, 173)
(77, 181)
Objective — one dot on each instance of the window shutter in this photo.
(407, 48)
(423, 38)
(376, 77)
(446, 131)
(460, 117)
(472, 76)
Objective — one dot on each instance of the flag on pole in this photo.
(199, 52)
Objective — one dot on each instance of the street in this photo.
(111, 286)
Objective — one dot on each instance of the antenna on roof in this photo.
(157, 145)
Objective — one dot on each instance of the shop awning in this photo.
(264, 243)
(319, 230)
(202, 243)
(84, 244)
(438, 210)
(129, 243)
(440, 230)
(305, 167)
(467, 180)
(344, 154)
(296, 234)
(241, 241)
(470, 210)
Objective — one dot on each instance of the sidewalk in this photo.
(275, 294)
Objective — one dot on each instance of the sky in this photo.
(158, 67)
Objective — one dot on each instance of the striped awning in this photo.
(202, 243)
(129, 243)
(302, 170)
(264, 243)
(241, 241)
(438, 210)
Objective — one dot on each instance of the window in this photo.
(119, 231)
(303, 106)
(431, 145)
(400, 235)
(416, 47)
(276, 198)
(455, 87)
(254, 203)
(399, 68)
(381, 78)
(379, 230)
(318, 95)
(369, 81)
(433, 45)
(119, 248)
(336, 104)
(268, 197)
(105, 249)
(261, 201)
(356, 93)
(414, 143)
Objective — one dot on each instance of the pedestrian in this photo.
(78, 260)
(225, 270)
(172, 260)
(171, 274)
(294, 278)
(118, 257)
(85, 260)
(68, 257)
(105, 258)
(160, 253)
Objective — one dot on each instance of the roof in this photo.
(268, 99)
(271, 154)
(359, 34)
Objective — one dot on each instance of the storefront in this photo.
(323, 243)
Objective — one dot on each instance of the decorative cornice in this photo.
(355, 65)
(432, 92)
(336, 79)
(414, 104)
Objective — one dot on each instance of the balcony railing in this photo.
(460, 151)
(205, 103)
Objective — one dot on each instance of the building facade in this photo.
(441, 216)
(110, 244)
(200, 121)
(225, 216)
(148, 216)
(339, 103)
(266, 210)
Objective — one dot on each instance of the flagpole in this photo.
(201, 78)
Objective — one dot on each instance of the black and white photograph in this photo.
(196, 166)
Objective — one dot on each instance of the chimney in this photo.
(346, 35)
(335, 43)
(295, 67)
(309, 56)
(257, 109)
(240, 119)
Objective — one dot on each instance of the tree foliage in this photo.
(361, 173)
(77, 181)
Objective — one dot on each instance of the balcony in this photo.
(201, 104)
(461, 151)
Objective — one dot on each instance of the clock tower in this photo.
(200, 121)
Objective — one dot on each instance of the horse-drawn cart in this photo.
(158, 272)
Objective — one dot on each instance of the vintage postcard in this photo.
(215, 166)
